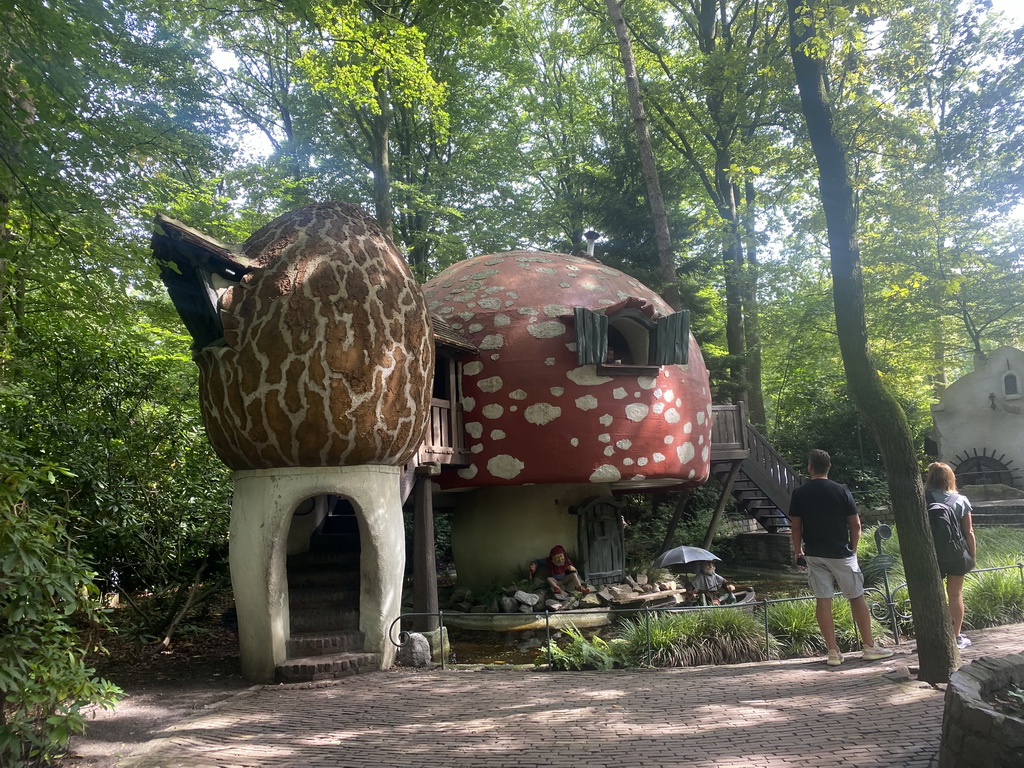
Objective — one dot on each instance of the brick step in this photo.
(323, 620)
(328, 667)
(317, 596)
(323, 578)
(993, 519)
(304, 644)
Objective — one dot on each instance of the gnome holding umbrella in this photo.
(706, 584)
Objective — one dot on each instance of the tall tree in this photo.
(879, 409)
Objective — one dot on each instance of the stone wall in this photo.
(973, 732)
(766, 548)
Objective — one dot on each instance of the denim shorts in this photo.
(824, 572)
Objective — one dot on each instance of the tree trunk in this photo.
(878, 408)
(751, 313)
(382, 168)
(666, 258)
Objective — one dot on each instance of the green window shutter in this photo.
(672, 339)
(591, 336)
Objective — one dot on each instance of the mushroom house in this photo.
(584, 385)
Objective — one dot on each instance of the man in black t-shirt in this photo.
(826, 528)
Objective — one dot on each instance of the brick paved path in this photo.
(796, 712)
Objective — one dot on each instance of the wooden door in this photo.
(602, 541)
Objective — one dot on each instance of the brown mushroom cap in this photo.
(329, 354)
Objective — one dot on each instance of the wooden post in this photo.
(726, 491)
(424, 567)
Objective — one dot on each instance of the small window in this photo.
(1011, 386)
(629, 340)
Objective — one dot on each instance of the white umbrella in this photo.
(683, 556)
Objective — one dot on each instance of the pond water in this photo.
(513, 648)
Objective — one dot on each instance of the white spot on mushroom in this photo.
(475, 327)
(497, 434)
(473, 368)
(574, 442)
(492, 411)
(658, 407)
(542, 413)
(618, 393)
(646, 382)
(546, 270)
(606, 473)
(468, 473)
(692, 473)
(679, 402)
(657, 393)
(571, 346)
(563, 285)
(494, 341)
(527, 311)
(474, 429)
(687, 428)
(478, 448)
(586, 403)
(658, 457)
(467, 316)
(700, 417)
(517, 395)
(642, 461)
(605, 438)
(609, 451)
(704, 453)
(505, 466)
(512, 294)
(548, 329)
(606, 420)
(586, 376)
(495, 356)
(492, 384)
(685, 453)
(627, 462)
(557, 391)
(636, 411)
(490, 303)
(624, 445)
(501, 320)
(513, 408)
(672, 416)
(700, 440)
(549, 361)
(468, 403)
(669, 395)
(669, 439)
(557, 310)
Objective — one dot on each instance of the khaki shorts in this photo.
(824, 572)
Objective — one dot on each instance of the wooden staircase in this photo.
(749, 469)
(323, 598)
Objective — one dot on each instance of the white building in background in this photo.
(979, 422)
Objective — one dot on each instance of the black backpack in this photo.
(950, 544)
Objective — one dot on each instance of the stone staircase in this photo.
(323, 596)
(1007, 513)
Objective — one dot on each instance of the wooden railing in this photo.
(782, 477)
(444, 441)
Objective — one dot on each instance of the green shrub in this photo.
(693, 637)
(579, 653)
(794, 626)
(993, 598)
(44, 682)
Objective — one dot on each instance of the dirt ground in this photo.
(160, 689)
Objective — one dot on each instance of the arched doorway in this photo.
(976, 467)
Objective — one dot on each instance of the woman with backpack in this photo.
(955, 545)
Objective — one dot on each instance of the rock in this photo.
(605, 595)
(641, 579)
(553, 605)
(525, 608)
(620, 593)
(461, 595)
(648, 589)
(590, 601)
(526, 598)
(479, 609)
(415, 651)
(509, 605)
(462, 606)
(632, 582)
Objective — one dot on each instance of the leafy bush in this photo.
(44, 682)
(993, 598)
(794, 626)
(580, 653)
(689, 638)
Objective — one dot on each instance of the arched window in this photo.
(630, 339)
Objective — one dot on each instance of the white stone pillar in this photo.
(261, 516)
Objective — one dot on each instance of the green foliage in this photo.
(993, 598)
(579, 653)
(694, 637)
(45, 591)
(794, 626)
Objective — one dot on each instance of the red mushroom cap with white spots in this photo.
(533, 414)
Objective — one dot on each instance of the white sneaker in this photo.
(874, 653)
(962, 642)
(835, 658)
